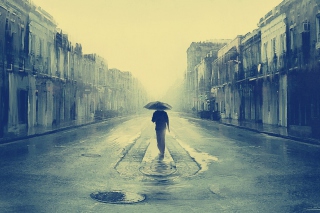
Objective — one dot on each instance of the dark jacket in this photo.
(161, 119)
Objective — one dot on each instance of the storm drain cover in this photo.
(90, 155)
(117, 197)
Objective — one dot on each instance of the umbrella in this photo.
(158, 105)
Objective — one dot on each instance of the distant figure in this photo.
(161, 119)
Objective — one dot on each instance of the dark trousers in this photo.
(161, 140)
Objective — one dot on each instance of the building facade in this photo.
(250, 85)
(226, 72)
(196, 53)
(272, 74)
(47, 82)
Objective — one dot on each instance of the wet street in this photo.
(207, 167)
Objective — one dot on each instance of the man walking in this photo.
(161, 120)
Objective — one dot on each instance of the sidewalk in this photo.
(273, 130)
(39, 130)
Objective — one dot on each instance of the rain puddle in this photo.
(154, 164)
(202, 158)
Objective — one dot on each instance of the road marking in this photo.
(185, 164)
(129, 163)
(180, 160)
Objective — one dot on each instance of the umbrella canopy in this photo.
(158, 105)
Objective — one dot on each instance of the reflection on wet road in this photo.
(143, 156)
(156, 165)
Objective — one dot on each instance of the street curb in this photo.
(19, 138)
(305, 140)
(298, 139)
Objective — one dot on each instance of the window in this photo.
(306, 42)
(38, 46)
(292, 38)
(30, 43)
(21, 64)
(22, 39)
(306, 26)
(33, 44)
(259, 68)
(318, 29)
(273, 50)
(9, 62)
(265, 51)
(23, 106)
(282, 43)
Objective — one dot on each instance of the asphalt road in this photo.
(208, 167)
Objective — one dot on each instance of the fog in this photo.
(150, 38)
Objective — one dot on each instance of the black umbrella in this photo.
(158, 105)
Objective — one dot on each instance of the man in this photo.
(161, 119)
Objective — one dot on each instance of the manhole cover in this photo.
(91, 155)
(117, 197)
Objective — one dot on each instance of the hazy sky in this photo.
(149, 38)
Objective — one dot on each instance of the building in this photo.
(276, 79)
(195, 54)
(46, 82)
(289, 56)
(226, 71)
(203, 87)
(270, 75)
(251, 80)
